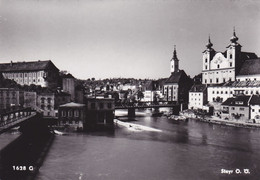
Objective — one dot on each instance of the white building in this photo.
(197, 96)
(43, 73)
(220, 93)
(255, 108)
(220, 67)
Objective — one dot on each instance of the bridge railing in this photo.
(15, 116)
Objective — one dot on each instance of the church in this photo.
(221, 67)
(177, 86)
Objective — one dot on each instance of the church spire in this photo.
(209, 45)
(174, 61)
(234, 38)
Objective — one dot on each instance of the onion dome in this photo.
(234, 38)
(209, 45)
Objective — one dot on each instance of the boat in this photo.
(178, 118)
(59, 133)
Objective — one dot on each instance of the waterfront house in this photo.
(100, 112)
(236, 108)
(197, 96)
(255, 108)
(72, 115)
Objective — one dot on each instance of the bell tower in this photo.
(174, 62)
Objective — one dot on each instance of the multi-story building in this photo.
(45, 104)
(221, 92)
(9, 97)
(236, 108)
(73, 115)
(220, 67)
(176, 87)
(255, 108)
(197, 96)
(43, 73)
(68, 85)
(100, 111)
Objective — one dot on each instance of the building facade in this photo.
(43, 73)
(68, 85)
(176, 87)
(197, 96)
(72, 115)
(221, 67)
(100, 112)
(45, 104)
(236, 108)
(255, 108)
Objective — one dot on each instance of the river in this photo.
(163, 150)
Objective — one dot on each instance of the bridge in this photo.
(22, 158)
(143, 105)
(14, 118)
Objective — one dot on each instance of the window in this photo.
(218, 66)
(224, 80)
(233, 108)
(205, 81)
(42, 100)
(70, 113)
(230, 56)
(217, 80)
(109, 105)
(217, 92)
(206, 60)
(210, 80)
(241, 109)
(221, 92)
(63, 113)
(206, 67)
(253, 110)
(76, 113)
(213, 92)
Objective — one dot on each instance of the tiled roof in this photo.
(198, 88)
(241, 84)
(255, 100)
(235, 101)
(175, 77)
(250, 67)
(67, 76)
(26, 66)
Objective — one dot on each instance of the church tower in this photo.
(234, 52)
(208, 55)
(174, 62)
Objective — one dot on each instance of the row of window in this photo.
(30, 74)
(195, 99)
(217, 80)
(218, 72)
(253, 110)
(236, 92)
(195, 94)
(101, 105)
(218, 66)
(70, 113)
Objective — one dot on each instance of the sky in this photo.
(122, 38)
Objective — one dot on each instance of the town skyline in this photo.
(112, 39)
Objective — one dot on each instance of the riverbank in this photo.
(216, 120)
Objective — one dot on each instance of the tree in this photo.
(140, 95)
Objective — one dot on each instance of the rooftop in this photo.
(72, 104)
(26, 66)
(250, 67)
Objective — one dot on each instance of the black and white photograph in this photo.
(129, 89)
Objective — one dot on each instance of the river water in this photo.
(163, 150)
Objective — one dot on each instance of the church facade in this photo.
(221, 67)
(177, 86)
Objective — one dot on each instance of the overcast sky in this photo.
(122, 38)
